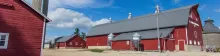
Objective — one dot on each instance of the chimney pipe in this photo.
(129, 15)
(110, 19)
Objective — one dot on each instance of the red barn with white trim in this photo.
(21, 29)
(180, 30)
(72, 41)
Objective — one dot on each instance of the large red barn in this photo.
(180, 30)
(72, 41)
(21, 29)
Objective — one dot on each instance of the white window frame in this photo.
(171, 35)
(190, 41)
(70, 43)
(195, 42)
(198, 43)
(6, 40)
(127, 42)
(76, 43)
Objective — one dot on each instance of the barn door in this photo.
(181, 45)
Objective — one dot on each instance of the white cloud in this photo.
(217, 10)
(219, 27)
(79, 3)
(66, 18)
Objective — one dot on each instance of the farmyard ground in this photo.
(81, 52)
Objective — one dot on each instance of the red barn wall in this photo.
(179, 33)
(61, 44)
(191, 29)
(24, 27)
(76, 42)
(150, 44)
(170, 45)
(97, 40)
(121, 45)
(100, 40)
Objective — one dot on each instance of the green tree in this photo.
(76, 31)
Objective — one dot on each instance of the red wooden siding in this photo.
(191, 28)
(76, 42)
(179, 33)
(24, 27)
(150, 44)
(170, 45)
(97, 40)
(61, 44)
(121, 45)
(181, 45)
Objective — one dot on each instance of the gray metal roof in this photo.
(149, 34)
(65, 38)
(209, 27)
(170, 18)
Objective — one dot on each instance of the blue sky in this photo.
(70, 14)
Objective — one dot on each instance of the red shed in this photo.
(72, 41)
(180, 30)
(21, 29)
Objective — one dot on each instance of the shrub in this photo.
(96, 50)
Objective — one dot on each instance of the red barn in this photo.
(21, 29)
(180, 30)
(72, 41)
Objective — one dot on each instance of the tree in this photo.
(76, 31)
(83, 35)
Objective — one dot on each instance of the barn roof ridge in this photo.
(146, 15)
(169, 18)
(66, 38)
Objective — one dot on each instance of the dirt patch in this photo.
(85, 52)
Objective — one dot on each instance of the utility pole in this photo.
(158, 33)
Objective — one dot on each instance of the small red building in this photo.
(72, 41)
(180, 30)
(21, 29)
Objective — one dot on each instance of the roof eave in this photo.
(45, 17)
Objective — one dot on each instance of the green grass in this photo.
(96, 50)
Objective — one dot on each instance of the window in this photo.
(4, 40)
(76, 43)
(195, 34)
(127, 42)
(190, 41)
(70, 43)
(198, 43)
(194, 42)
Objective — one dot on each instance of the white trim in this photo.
(195, 34)
(164, 45)
(6, 40)
(43, 35)
(187, 40)
(179, 44)
(190, 41)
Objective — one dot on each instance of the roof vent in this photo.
(129, 15)
(157, 9)
(209, 27)
(110, 19)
